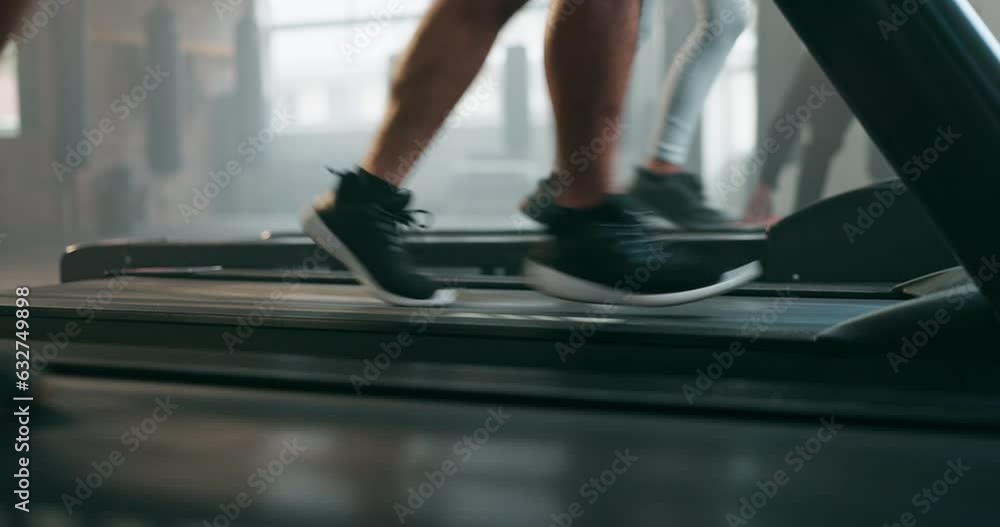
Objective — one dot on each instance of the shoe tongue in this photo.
(385, 194)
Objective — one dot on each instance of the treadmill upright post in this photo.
(923, 77)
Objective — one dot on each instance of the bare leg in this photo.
(600, 252)
(588, 59)
(9, 18)
(443, 59)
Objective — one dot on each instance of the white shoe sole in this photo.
(566, 287)
(313, 226)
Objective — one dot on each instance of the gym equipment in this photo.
(250, 73)
(121, 201)
(164, 133)
(283, 345)
(71, 63)
(878, 233)
(516, 104)
(496, 253)
(884, 91)
(72, 147)
(809, 302)
(28, 81)
(842, 387)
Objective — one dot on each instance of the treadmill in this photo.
(254, 382)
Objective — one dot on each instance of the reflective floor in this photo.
(274, 458)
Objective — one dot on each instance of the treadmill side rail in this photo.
(933, 85)
(483, 253)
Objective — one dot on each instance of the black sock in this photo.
(372, 183)
(652, 177)
(360, 184)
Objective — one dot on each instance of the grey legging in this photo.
(695, 68)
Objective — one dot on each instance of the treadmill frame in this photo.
(939, 70)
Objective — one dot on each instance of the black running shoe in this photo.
(680, 198)
(541, 206)
(361, 225)
(610, 254)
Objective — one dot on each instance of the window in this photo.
(321, 52)
(10, 104)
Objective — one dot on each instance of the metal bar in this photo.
(481, 252)
(843, 291)
(924, 80)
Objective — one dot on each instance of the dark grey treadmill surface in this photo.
(646, 388)
(319, 305)
(176, 323)
(361, 455)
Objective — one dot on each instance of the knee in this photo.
(490, 13)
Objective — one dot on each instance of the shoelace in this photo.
(404, 217)
(390, 219)
(393, 223)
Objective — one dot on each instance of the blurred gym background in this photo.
(323, 69)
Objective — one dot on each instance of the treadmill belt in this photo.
(325, 305)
